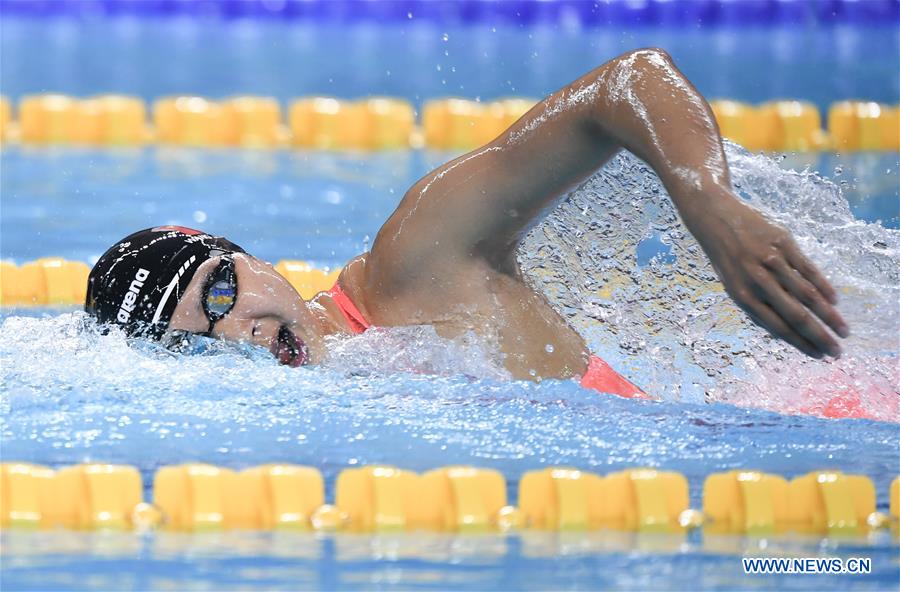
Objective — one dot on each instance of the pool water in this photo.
(403, 397)
(730, 397)
(420, 60)
(274, 561)
(319, 207)
(72, 395)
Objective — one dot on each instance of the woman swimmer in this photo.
(447, 255)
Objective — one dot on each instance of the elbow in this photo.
(650, 60)
(656, 52)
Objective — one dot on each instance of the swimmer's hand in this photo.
(767, 275)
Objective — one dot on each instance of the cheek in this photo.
(235, 329)
(264, 299)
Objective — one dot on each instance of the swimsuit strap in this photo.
(601, 377)
(355, 319)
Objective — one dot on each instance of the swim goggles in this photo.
(219, 297)
(220, 292)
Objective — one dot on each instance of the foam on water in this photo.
(73, 394)
(416, 349)
(616, 260)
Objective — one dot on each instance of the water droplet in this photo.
(445, 37)
(549, 348)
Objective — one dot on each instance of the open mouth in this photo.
(289, 349)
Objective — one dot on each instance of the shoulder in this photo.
(352, 281)
(392, 293)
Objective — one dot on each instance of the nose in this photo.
(255, 331)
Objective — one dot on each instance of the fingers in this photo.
(800, 288)
(810, 272)
(794, 320)
(763, 315)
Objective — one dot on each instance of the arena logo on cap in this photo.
(128, 302)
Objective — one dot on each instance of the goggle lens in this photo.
(221, 297)
(221, 291)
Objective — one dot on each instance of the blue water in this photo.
(70, 394)
(274, 561)
(319, 207)
(422, 60)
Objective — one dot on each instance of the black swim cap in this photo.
(137, 283)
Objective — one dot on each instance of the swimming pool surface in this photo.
(419, 60)
(731, 397)
(72, 395)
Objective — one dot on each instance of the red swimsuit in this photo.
(599, 376)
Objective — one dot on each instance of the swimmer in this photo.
(446, 257)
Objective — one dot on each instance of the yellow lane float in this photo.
(559, 498)
(327, 123)
(26, 495)
(378, 499)
(389, 123)
(97, 496)
(5, 118)
(645, 500)
(253, 122)
(831, 502)
(190, 121)
(306, 279)
(199, 497)
(463, 499)
(80, 497)
(745, 502)
(194, 497)
(109, 120)
(789, 126)
(48, 119)
(863, 125)
(53, 281)
(460, 124)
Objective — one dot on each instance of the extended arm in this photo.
(479, 205)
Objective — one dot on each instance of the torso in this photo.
(535, 340)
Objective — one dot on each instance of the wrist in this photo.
(704, 204)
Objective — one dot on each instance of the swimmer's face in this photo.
(267, 312)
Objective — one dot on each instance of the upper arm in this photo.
(480, 204)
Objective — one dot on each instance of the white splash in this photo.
(417, 350)
(670, 326)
